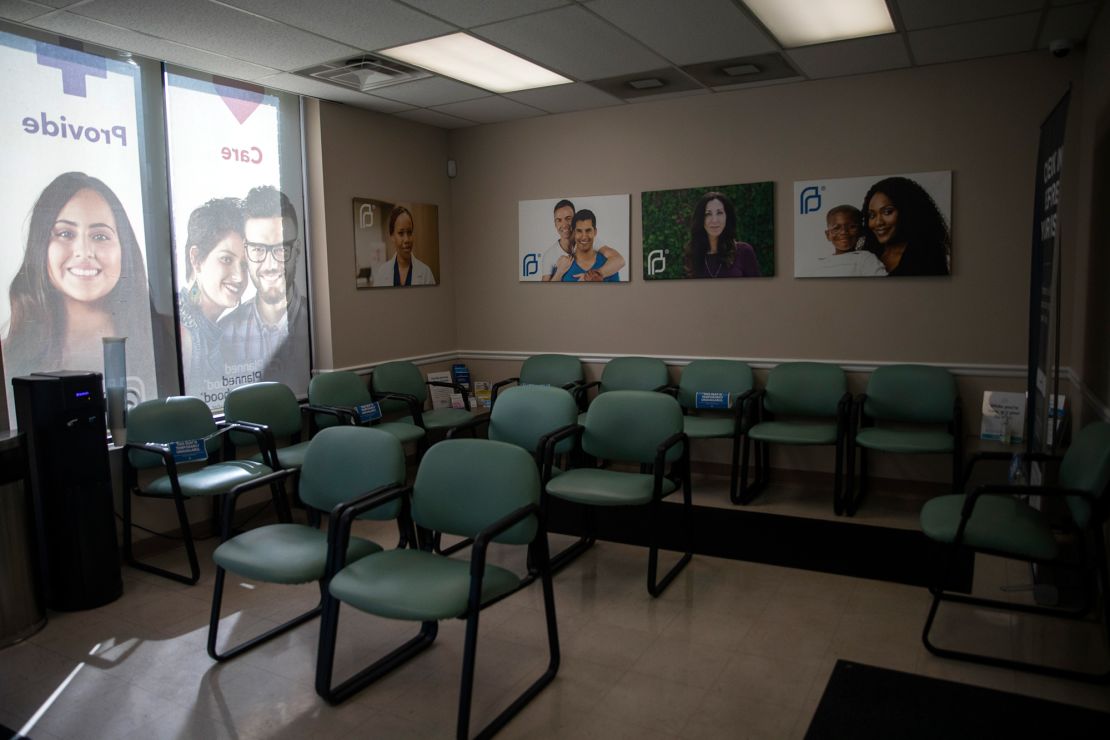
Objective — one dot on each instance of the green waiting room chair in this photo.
(158, 434)
(1000, 520)
(475, 488)
(341, 465)
(626, 374)
(638, 427)
(713, 394)
(400, 388)
(803, 403)
(272, 409)
(907, 409)
(561, 371)
(342, 397)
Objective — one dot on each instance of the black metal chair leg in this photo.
(749, 490)
(186, 535)
(325, 657)
(214, 624)
(656, 587)
(572, 551)
(733, 479)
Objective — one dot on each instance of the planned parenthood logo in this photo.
(531, 264)
(810, 199)
(657, 262)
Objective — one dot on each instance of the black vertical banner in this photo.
(1044, 279)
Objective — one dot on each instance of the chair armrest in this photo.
(739, 407)
(670, 389)
(232, 497)
(661, 456)
(343, 515)
(415, 410)
(1008, 490)
(498, 386)
(546, 448)
(582, 393)
(484, 537)
(458, 387)
(471, 425)
(344, 414)
(1006, 457)
(263, 435)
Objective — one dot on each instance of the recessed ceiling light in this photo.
(740, 70)
(646, 84)
(804, 22)
(465, 58)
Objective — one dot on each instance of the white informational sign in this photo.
(547, 230)
(896, 225)
(73, 266)
(238, 246)
(1003, 417)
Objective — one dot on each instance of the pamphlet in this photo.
(1003, 417)
(483, 393)
(441, 397)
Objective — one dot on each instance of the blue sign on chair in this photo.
(712, 400)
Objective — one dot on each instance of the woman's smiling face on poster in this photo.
(715, 218)
(882, 218)
(222, 273)
(83, 256)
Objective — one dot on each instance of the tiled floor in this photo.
(731, 650)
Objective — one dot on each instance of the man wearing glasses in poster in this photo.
(270, 331)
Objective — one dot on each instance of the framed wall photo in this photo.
(879, 226)
(574, 239)
(396, 244)
(723, 231)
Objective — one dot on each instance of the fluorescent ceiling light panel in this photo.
(465, 58)
(804, 22)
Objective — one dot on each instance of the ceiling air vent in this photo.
(364, 73)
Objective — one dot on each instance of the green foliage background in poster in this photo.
(666, 224)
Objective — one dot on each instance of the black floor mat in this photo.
(863, 702)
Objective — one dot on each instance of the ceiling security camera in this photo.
(1060, 48)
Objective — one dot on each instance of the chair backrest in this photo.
(343, 462)
(915, 393)
(165, 420)
(723, 376)
(524, 414)
(556, 370)
(1086, 467)
(269, 403)
(340, 388)
(633, 374)
(398, 377)
(805, 389)
(464, 485)
(630, 425)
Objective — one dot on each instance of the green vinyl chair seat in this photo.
(708, 427)
(416, 585)
(441, 418)
(214, 480)
(403, 431)
(794, 433)
(284, 553)
(600, 487)
(287, 457)
(998, 523)
(916, 441)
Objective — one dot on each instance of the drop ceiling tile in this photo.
(113, 37)
(698, 31)
(319, 89)
(574, 42)
(60, 3)
(1009, 35)
(490, 110)
(220, 29)
(1068, 22)
(430, 91)
(19, 11)
(930, 13)
(852, 57)
(565, 98)
(468, 15)
(365, 24)
(434, 118)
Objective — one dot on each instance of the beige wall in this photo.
(980, 119)
(368, 155)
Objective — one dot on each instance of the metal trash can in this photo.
(22, 613)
